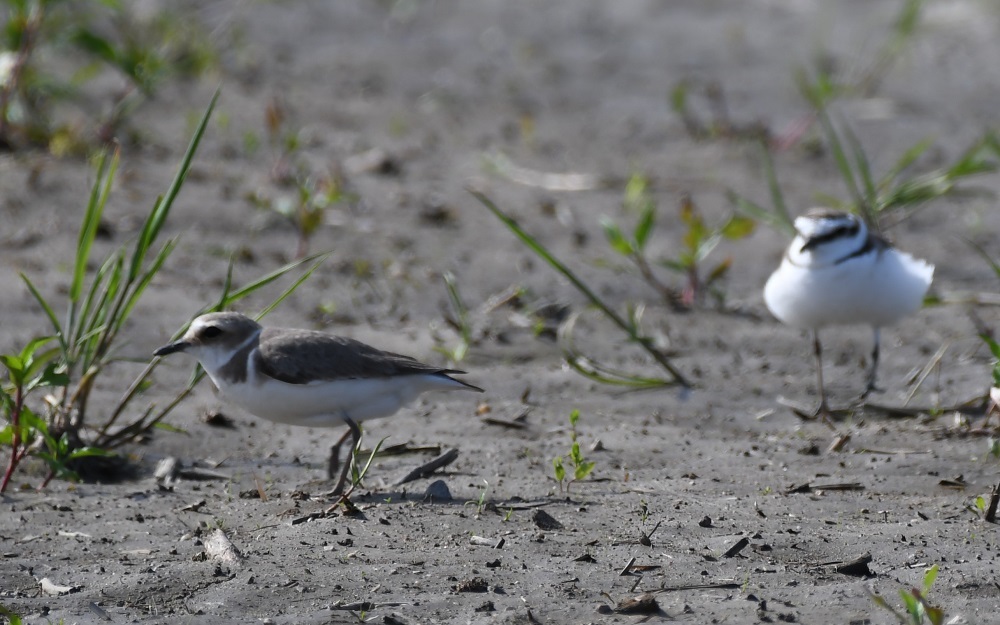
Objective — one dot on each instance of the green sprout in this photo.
(581, 467)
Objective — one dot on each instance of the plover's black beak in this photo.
(178, 346)
(810, 243)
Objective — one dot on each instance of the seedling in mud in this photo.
(306, 207)
(917, 608)
(480, 502)
(459, 320)
(313, 192)
(698, 242)
(581, 467)
(643, 511)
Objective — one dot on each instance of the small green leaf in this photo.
(636, 191)
(574, 417)
(10, 615)
(718, 272)
(54, 375)
(738, 227)
(96, 45)
(15, 366)
(583, 470)
(992, 344)
(934, 614)
(160, 425)
(911, 604)
(88, 452)
(616, 239)
(678, 98)
(645, 225)
(929, 578)
(560, 470)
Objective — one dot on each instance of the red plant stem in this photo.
(15, 443)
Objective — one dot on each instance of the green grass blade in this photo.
(48, 311)
(908, 158)
(147, 277)
(92, 328)
(92, 220)
(862, 168)
(759, 213)
(645, 226)
(985, 255)
(840, 158)
(461, 312)
(259, 283)
(162, 207)
(227, 286)
(86, 309)
(294, 287)
(783, 219)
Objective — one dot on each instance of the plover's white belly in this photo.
(873, 290)
(327, 404)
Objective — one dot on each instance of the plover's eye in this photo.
(211, 332)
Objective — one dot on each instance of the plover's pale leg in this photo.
(334, 463)
(355, 433)
(872, 373)
(824, 411)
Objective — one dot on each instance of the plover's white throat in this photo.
(837, 272)
(304, 377)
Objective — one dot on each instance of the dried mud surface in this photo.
(560, 86)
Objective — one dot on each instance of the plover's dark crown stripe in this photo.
(872, 243)
(847, 230)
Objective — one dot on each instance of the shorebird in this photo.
(307, 378)
(837, 272)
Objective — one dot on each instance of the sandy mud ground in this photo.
(432, 92)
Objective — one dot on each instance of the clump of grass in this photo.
(917, 609)
(306, 193)
(580, 466)
(881, 201)
(85, 340)
(697, 244)
(93, 39)
(630, 325)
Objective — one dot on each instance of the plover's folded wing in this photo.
(301, 356)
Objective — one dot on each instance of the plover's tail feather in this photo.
(447, 373)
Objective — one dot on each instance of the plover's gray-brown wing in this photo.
(303, 356)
